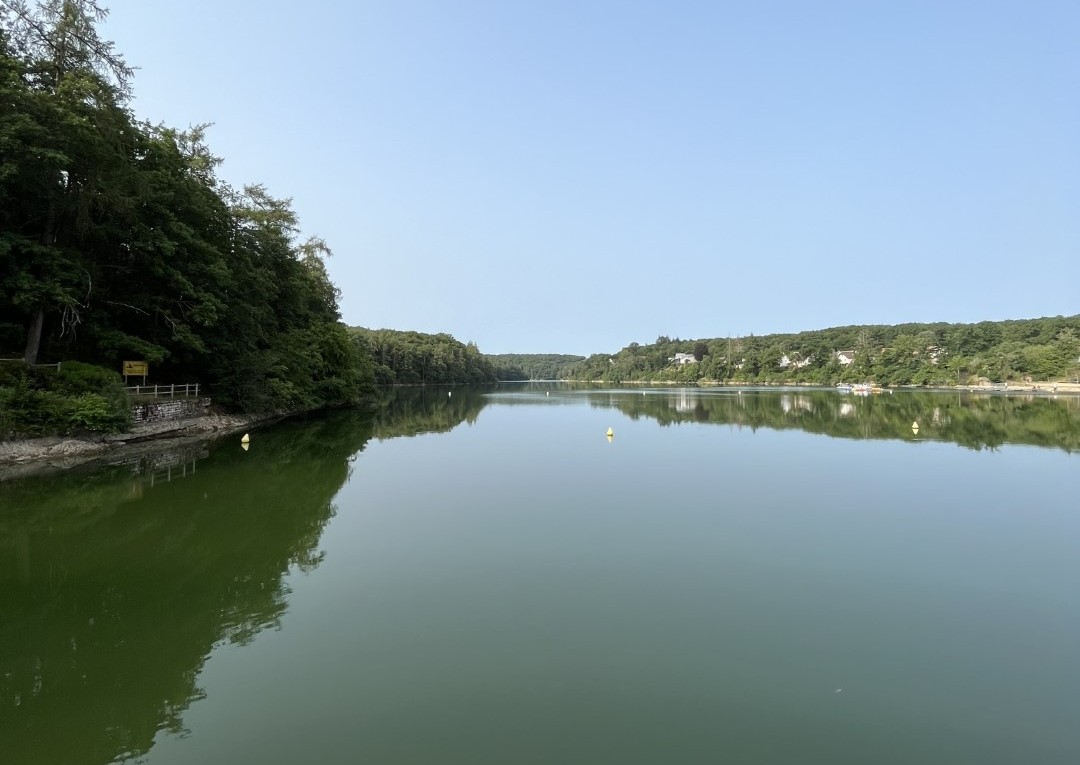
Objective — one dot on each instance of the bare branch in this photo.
(125, 305)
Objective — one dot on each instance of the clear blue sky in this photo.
(574, 176)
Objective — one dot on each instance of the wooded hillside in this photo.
(416, 358)
(903, 354)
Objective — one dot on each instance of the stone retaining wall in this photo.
(169, 409)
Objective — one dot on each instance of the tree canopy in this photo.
(902, 354)
(119, 241)
(532, 366)
(416, 358)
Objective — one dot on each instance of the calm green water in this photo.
(759, 577)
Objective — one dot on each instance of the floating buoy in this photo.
(449, 393)
(610, 433)
(610, 438)
(915, 426)
(547, 393)
(245, 439)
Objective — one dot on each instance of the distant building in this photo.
(845, 357)
(683, 358)
(786, 362)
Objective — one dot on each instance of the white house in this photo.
(683, 358)
(786, 362)
(845, 357)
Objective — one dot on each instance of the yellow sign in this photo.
(140, 368)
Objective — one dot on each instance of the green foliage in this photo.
(80, 397)
(94, 412)
(906, 354)
(77, 377)
(416, 358)
(117, 240)
(532, 366)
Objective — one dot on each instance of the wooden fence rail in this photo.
(165, 391)
(55, 366)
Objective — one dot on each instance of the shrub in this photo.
(11, 372)
(38, 402)
(96, 412)
(75, 377)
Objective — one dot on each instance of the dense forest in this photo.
(416, 358)
(904, 354)
(532, 366)
(119, 241)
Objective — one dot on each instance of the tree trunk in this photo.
(33, 336)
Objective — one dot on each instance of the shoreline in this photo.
(1048, 388)
(32, 456)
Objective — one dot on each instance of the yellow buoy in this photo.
(610, 438)
(245, 439)
(245, 446)
(915, 426)
(610, 433)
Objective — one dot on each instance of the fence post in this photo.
(196, 390)
(172, 391)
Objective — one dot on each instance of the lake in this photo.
(482, 576)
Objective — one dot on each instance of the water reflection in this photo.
(974, 421)
(116, 584)
(410, 411)
(117, 594)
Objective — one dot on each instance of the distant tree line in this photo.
(903, 354)
(532, 366)
(416, 358)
